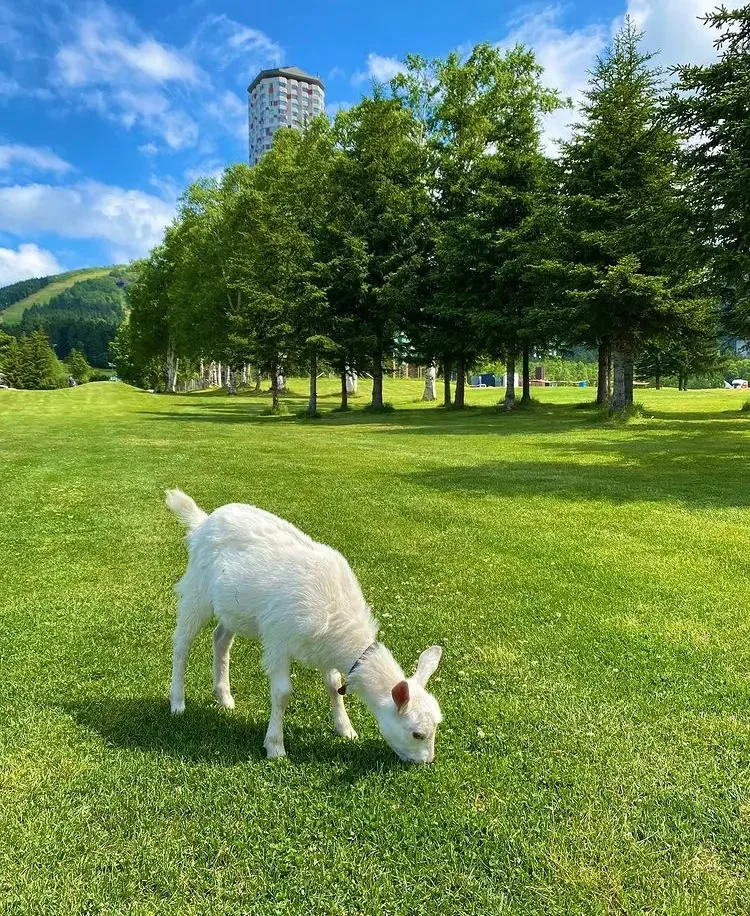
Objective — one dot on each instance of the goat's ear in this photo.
(428, 662)
(400, 694)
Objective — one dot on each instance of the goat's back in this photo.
(264, 577)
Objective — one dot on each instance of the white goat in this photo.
(264, 579)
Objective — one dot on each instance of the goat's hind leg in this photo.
(192, 616)
(341, 722)
(222, 644)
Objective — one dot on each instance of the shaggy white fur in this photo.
(264, 579)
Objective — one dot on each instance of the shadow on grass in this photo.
(552, 418)
(208, 734)
(707, 469)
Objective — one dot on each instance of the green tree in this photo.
(382, 178)
(709, 105)
(6, 342)
(625, 222)
(689, 346)
(31, 363)
(83, 317)
(205, 298)
(79, 368)
(130, 367)
(152, 334)
(481, 118)
(272, 260)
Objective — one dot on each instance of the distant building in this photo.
(285, 97)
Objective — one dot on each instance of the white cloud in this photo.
(34, 158)
(9, 86)
(225, 42)
(130, 221)
(336, 73)
(148, 149)
(152, 110)
(379, 68)
(11, 38)
(211, 169)
(166, 185)
(333, 108)
(566, 57)
(110, 66)
(28, 260)
(671, 26)
(108, 48)
(231, 112)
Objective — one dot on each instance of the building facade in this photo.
(285, 97)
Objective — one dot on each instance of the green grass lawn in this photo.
(14, 313)
(590, 585)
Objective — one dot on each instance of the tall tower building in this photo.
(285, 97)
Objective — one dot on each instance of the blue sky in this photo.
(108, 110)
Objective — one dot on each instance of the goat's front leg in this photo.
(222, 644)
(281, 689)
(341, 722)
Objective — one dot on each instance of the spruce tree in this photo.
(710, 105)
(79, 368)
(625, 223)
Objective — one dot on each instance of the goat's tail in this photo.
(185, 508)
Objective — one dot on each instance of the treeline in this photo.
(9, 295)
(426, 224)
(30, 362)
(84, 317)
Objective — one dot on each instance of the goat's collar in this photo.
(357, 663)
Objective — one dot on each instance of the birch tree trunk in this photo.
(429, 384)
(173, 365)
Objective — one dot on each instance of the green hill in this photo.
(78, 310)
(13, 312)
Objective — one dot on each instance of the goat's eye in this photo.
(419, 736)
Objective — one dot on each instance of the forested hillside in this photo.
(41, 289)
(83, 317)
(9, 295)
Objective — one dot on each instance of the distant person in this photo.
(71, 382)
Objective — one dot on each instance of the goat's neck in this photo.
(375, 676)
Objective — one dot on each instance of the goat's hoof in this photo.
(274, 751)
(224, 699)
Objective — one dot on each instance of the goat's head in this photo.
(410, 721)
